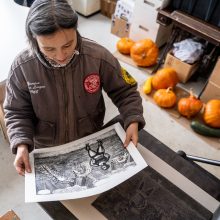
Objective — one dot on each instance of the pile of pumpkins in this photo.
(164, 82)
(143, 52)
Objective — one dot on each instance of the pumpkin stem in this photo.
(192, 95)
(203, 108)
(143, 55)
(169, 89)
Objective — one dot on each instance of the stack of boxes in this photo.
(144, 23)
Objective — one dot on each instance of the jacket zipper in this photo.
(65, 94)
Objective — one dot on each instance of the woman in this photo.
(54, 88)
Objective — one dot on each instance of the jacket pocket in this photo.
(91, 123)
(97, 119)
(44, 134)
(85, 127)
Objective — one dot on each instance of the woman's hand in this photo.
(21, 161)
(131, 134)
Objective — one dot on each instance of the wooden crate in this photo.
(108, 7)
(10, 215)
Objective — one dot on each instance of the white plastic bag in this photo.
(188, 50)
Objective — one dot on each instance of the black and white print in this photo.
(82, 168)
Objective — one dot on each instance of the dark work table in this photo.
(193, 172)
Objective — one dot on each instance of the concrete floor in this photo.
(158, 123)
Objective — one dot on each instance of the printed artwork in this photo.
(82, 168)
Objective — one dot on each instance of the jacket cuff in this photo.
(19, 141)
(134, 118)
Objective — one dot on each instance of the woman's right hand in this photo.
(21, 161)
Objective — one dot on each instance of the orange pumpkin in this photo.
(165, 78)
(211, 114)
(124, 45)
(144, 53)
(189, 106)
(165, 98)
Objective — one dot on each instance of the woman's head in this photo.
(46, 17)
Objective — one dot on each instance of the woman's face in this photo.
(58, 46)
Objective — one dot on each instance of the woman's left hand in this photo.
(131, 134)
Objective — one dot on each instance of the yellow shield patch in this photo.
(127, 77)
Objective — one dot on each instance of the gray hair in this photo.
(48, 16)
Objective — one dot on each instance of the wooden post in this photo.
(2, 97)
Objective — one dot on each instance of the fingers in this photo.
(135, 140)
(21, 161)
(19, 167)
(127, 140)
(22, 165)
(131, 134)
(27, 164)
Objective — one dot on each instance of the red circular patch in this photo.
(92, 83)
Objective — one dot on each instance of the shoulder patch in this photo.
(92, 83)
(127, 77)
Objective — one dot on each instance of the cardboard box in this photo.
(10, 215)
(211, 91)
(121, 19)
(120, 27)
(108, 7)
(144, 23)
(158, 34)
(124, 9)
(184, 70)
(215, 75)
(212, 88)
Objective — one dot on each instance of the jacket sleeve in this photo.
(122, 89)
(19, 115)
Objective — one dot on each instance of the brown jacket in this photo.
(47, 106)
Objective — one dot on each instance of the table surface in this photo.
(206, 183)
(12, 38)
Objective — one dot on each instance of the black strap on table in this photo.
(189, 169)
(57, 211)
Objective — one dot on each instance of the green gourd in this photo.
(205, 130)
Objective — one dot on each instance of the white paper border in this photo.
(30, 187)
